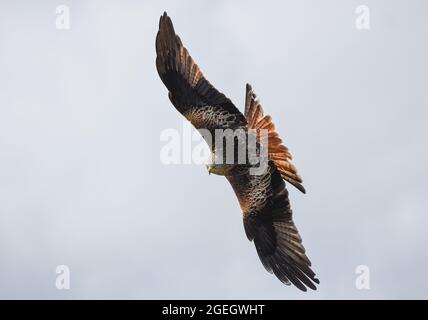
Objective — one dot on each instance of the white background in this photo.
(81, 182)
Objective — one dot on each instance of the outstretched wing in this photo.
(189, 91)
(276, 150)
(268, 220)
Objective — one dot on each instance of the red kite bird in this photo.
(263, 198)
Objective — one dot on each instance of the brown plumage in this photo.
(277, 151)
(188, 88)
(263, 197)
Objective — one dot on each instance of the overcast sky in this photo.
(82, 184)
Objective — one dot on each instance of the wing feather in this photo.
(184, 80)
(277, 151)
(268, 221)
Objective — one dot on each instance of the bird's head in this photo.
(218, 169)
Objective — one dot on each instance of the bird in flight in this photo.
(263, 198)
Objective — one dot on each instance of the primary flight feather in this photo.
(263, 198)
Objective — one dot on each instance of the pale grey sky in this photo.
(81, 183)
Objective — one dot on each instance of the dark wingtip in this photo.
(249, 88)
(299, 187)
(162, 18)
(309, 285)
(166, 37)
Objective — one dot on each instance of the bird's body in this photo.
(263, 197)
